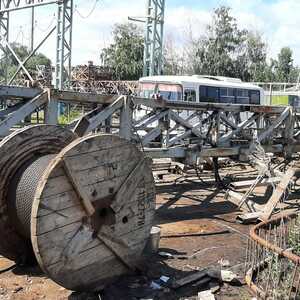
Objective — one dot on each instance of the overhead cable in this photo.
(90, 13)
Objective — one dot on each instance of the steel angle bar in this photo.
(190, 118)
(268, 132)
(22, 63)
(18, 92)
(173, 152)
(144, 118)
(182, 105)
(180, 137)
(126, 118)
(219, 152)
(5, 44)
(4, 113)
(225, 138)
(225, 120)
(152, 119)
(75, 97)
(23, 112)
(92, 120)
(27, 5)
(152, 135)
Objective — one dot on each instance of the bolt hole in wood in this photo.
(125, 220)
(103, 212)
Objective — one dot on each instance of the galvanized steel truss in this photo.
(181, 130)
(154, 34)
(63, 38)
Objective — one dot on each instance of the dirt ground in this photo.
(197, 227)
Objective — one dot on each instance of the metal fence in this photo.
(272, 261)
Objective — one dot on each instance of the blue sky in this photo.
(277, 20)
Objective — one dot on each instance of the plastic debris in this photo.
(166, 254)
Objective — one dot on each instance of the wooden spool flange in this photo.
(92, 212)
(15, 150)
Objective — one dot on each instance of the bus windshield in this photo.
(146, 90)
(171, 92)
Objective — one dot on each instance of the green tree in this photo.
(284, 66)
(256, 58)
(125, 55)
(227, 50)
(218, 50)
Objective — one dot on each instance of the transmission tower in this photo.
(154, 34)
(63, 29)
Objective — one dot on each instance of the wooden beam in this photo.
(248, 183)
(277, 194)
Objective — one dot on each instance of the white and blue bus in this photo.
(197, 88)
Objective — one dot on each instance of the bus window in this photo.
(242, 96)
(172, 92)
(254, 97)
(146, 90)
(227, 95)
(209, 94)
(202, 93)
(190, 95)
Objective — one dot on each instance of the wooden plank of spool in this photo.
(84, 249)
(15, 150)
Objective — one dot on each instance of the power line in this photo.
(48, 27)
(90, 13)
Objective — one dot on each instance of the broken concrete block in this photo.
(228, 276)
(206, 295)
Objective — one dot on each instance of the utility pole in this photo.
(154, 35)
(32, 29)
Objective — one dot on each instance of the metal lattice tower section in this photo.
(64, 44)
(4, 33)
(154, 34)
(63, 29)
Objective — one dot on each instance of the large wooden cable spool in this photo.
(92, 210)
(16, 150)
